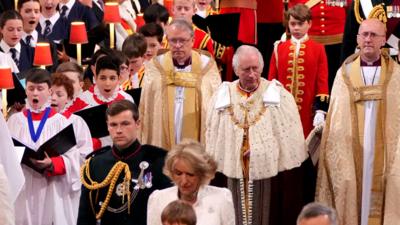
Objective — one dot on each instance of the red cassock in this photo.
(327, 22)
(306, 76)
(248, 17)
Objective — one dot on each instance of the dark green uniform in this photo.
(101, 164)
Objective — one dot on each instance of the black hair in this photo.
(152, 30)
(156, 13)
(38, 76)
(107, 62)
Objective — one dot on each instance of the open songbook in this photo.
(55, 146)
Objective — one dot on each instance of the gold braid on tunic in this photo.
(378, 12)
(110, 180)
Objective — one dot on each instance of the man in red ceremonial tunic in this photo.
(327, 29)
(248, 17)
(300, 64)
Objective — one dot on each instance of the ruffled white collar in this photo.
(96, 92)
(29, 107)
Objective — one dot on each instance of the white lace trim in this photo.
(104, 99)
(29, 107)
(69, 104)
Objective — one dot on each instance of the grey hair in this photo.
(246, 48)
(182, 24)
(315, 209)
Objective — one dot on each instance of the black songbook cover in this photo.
(223, 28)
(55, 146)
(135, 93)
(95, 118)
(17, 94)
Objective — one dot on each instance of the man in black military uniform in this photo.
(118, 180)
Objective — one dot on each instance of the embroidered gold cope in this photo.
(159, 93)
(340, 175)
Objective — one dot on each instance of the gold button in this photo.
(322, 19)
(321, 7)
(322, 25)
(322, 2)
(323, 31)
(322, 13)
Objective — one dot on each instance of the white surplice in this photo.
(45, 200)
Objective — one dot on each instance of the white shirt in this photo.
(34, 38)
(69, 5)
(53, 19)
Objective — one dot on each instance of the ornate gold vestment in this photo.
(341, 155)
(158, 99)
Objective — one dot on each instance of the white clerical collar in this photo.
(6, 48)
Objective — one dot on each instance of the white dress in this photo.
(214, 205)
(45, 200)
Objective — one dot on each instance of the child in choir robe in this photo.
(62, 93)
(46, 198)
(106, 88)
(11, 29)
(75, 73)
(134, 48)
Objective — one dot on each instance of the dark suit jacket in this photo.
(25, 63)
(80, 12)
(59, 31)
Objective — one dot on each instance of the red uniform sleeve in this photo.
(58, 166)
(96, 144)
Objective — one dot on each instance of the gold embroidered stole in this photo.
(360, 94)
(191, 120)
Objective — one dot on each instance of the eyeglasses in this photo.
(371, 35)
(176, 41)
